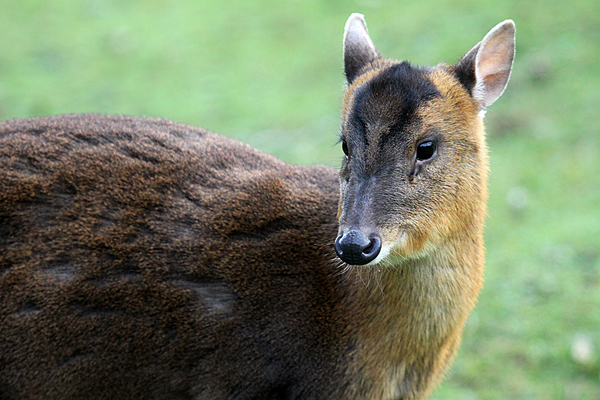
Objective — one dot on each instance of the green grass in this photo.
(269, 73)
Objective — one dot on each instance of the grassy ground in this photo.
(269, 72)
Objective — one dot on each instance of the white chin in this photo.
(385, 250)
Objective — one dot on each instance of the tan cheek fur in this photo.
(459, 114)
(464, 207)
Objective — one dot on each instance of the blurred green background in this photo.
(269, 73)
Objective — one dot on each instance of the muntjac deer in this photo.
(145, 259)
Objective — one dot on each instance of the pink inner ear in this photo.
(494, 58)
(494, 63)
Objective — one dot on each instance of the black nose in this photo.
(356, 249)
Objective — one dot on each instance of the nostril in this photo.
(338, 246)
(369, 248)
(374, 246)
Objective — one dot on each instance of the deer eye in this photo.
(345, 147)
(426, 151)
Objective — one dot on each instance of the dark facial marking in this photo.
(389, 101)
(394, 95)
(465, 71)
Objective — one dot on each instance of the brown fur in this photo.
(144, 259)
(148, 259)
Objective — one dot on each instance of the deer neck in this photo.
(412, 315)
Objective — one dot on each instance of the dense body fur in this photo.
(144, 259)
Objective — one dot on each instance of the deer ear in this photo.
(486, 68)
(359, 50)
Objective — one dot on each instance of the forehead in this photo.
(392, 95)
(396, 95)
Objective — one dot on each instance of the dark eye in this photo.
(425, 151)
(345, 147)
